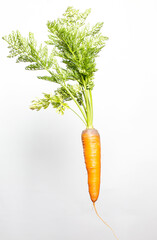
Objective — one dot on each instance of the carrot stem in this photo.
(81, 110)
(91, 101)
(77, 115)
(89, 107)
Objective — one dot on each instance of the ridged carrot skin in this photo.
(92, 155)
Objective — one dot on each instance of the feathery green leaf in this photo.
(75, 46)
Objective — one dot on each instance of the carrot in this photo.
(91, 147)
(77, 45)
(92, 154)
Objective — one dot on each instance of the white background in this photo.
(43, 181)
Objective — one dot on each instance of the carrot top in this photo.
(69, 62)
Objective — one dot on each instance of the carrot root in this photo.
(104, 222)
(92, 155)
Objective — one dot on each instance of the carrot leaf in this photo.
(75, 45)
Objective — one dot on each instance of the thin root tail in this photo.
(104, 222)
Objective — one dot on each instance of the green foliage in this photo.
(41, 103)
(75, 90)
(73, 43)
(25, 49)
(56, 101)
(76, 43)
(59, 99)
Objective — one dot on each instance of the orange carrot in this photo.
(92, 155)
(91, 146)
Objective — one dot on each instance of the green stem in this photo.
(86, 103)
(91, 103)
(84, 107)
(77, 115)
(63, 85)
(89, 107)
(90, 110)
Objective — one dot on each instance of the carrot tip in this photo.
(104, 221)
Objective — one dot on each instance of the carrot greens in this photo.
(69, 61)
